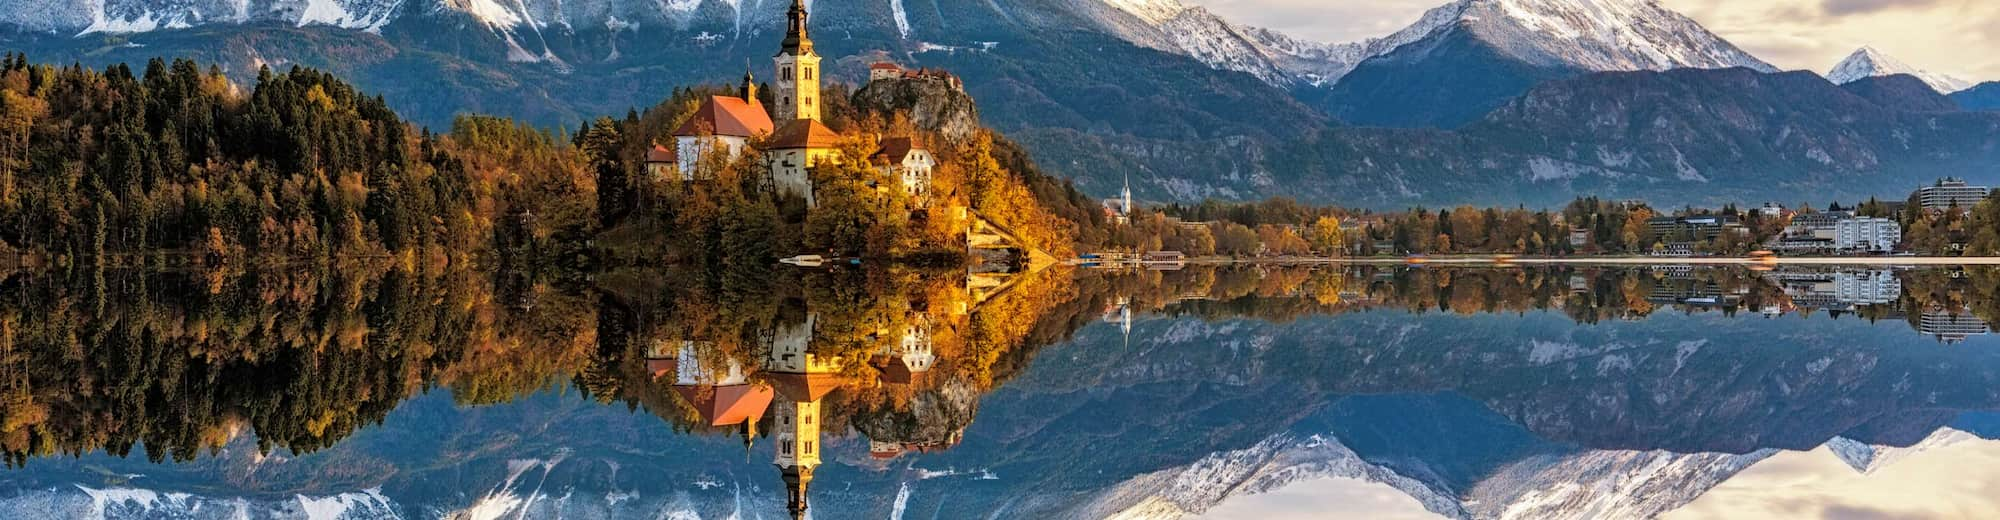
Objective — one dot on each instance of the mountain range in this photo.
(1189, 104)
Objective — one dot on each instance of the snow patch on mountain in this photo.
(902, 18)
(1869, 62)
(350, 14)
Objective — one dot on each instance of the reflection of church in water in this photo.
(789, 386)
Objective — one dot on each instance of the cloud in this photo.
(1852, 7)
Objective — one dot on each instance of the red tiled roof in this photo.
(727, 405)
(804, 133)
(659, 154)
(729, 116)
(885, 66)
(895, 149)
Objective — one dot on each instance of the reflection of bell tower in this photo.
(798, 450)
(802, 379)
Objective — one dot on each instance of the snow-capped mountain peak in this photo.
(1869, 458)
(1869, 62)
(1596, 35)
(1589, 35)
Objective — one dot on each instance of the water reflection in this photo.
(1581, 392)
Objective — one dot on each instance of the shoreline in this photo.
(1497, 260)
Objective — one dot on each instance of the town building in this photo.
(1120, 209)
(1867, 235)
(1675, 249)
(1696, 227)
(1867, 287)
(1947, 193)
(722, 124)
(795, 151)
(907, 360)
(660, 163)
(905, 159)
(1838, 232)
(886, 71)
(1951, 327)
(1771, 209)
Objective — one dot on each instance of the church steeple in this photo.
(796, 41)
(749, 87)
(795, 492)
(797, 67)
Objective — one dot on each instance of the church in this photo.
(796, 141)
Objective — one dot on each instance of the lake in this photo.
(1206, 392)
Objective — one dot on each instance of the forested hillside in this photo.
(177, 165)
(100, 166)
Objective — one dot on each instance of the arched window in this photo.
(809, 73)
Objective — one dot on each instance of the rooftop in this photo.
(804, 133)
(659, 154)
(896, 149)
(727, 116)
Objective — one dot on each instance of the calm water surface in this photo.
(1236, 392)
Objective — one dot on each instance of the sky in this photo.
(1955, 37)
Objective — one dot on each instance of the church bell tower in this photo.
(798, 71)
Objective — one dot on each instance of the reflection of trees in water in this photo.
(180, 361)
(1587, 294)
(183, 361)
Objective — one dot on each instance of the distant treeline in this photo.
(1284, 227)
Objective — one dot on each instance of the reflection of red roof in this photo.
(895, 149)
(661, 367)
(806, 387)
(888, 451)
(804, 133)
(729, 116)
(659, 154)
(727, 405)
(894, 370)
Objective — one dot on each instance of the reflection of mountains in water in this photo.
(1486, 413)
